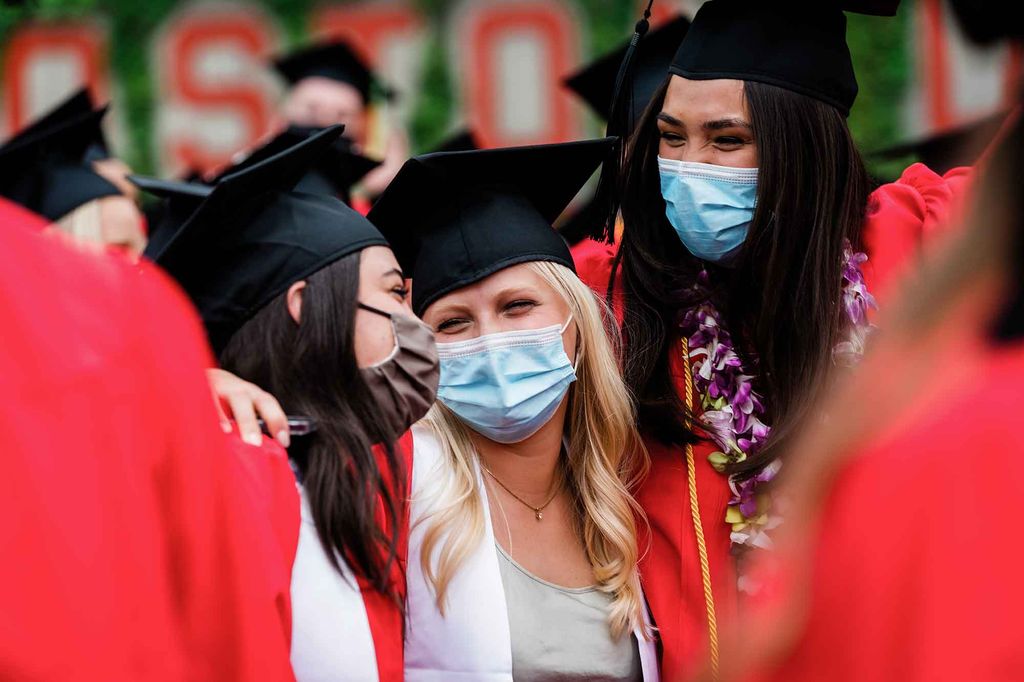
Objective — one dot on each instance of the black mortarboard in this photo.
(462, 141)
(796, 45)
(943, 151)
(986, 21)
(333, 174)
(334, 60)
(253, 236)
(595, 83)
(453, 218)
(44, 167)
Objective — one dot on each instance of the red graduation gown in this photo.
(916, 564)
(130, 552)
(900, 216)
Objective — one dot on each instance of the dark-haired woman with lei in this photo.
(751, 246)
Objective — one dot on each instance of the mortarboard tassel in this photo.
(620, 124)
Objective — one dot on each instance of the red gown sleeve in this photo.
(594, 261)
(230, 600)
(906, 217)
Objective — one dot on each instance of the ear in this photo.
(294, 299)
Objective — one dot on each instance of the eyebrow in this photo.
(393, 271)
(671, 120)
(723, 123)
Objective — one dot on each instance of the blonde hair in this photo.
(606, 460)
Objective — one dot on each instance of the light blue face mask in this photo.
(506, 386)
(709, 206)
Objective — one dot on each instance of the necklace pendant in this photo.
(539, 513)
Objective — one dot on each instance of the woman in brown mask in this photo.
(303, 296)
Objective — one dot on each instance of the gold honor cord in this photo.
(702, 548)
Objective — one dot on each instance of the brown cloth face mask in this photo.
(405, 383)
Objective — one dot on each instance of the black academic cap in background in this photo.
(44, 167)
(77, 105)
(960, 145)
(253, 236)
(595, 83)
(454, 218)
(175, 202)
(335, 60)
(333, 174)
(988, 21)
(799, 46)
(462, 141)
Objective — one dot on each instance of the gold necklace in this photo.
(537, 511)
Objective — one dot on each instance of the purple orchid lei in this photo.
(732, 411)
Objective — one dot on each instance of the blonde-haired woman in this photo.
(523, 550)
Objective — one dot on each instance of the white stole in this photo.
(331, 637)
(472, 641)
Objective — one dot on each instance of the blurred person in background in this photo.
(335, 173)
(329, 84)
(133, 547)
(302, 295)
(60, 167)
(742, 281)
(523, 548)
(899, 562)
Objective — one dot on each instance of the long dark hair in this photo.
(311, 369)
(781, 301)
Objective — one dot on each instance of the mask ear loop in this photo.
(394, 333)
(565, 326)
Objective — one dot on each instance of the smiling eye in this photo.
(401, 292)
(521, 305)
(452, 325)
(729, 141)
(669, 136)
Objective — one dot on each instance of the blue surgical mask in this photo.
(709, 206)
(506, 386)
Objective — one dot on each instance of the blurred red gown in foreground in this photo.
(134, 544)
(914, 572)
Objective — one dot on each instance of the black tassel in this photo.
(620, 125)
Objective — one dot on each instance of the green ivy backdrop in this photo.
(879, 46)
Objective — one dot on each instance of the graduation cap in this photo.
(799, 46)
(453, 218)
(987, 21)
(44, 167)
(334, 60)
(334, 172)
(252, 236)
(595, 83)
(462, 141)
(958, 146)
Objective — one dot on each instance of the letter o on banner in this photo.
(215, 93)
(510, 57)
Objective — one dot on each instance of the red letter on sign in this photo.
(513, 57)
(215, 93)
(389, 36)
(44, 64)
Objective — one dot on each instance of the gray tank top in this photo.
(561, 634)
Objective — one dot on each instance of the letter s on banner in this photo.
(214, 92)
